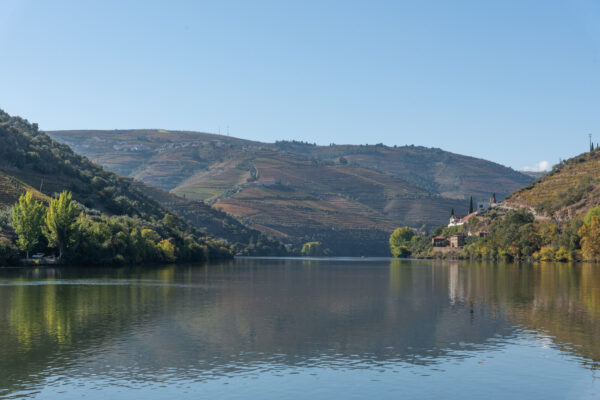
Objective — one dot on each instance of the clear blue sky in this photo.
(516, 82)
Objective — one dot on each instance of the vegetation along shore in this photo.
(556, 218)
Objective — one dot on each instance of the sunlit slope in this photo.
(293, 195)
(216, 222)
(11, 188)
(571, 188)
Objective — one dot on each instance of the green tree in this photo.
(590, 239)
(471, 205)
(400, 241)
(593, 212)
(311, 249)
(170, 221)
(27, 220)
(61, 221)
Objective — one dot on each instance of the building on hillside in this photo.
(483, 206)
(455, 220)
(439, 241)
(481, 233)
(458, 220)
(457, 240)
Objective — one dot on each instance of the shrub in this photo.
(9, 254)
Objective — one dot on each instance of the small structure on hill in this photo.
(457, 240)
(483, 206)
(439, 241)
(458, 220)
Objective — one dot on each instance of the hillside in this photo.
(350, 197)
(245, 240)
(569, 190)
(555, 218)
(31, 161)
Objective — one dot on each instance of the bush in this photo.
(9, 254)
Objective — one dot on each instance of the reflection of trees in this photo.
(565, 305)
(53, 323)
(560, 300)
(204, 321)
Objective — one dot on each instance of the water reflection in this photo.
(247, 317)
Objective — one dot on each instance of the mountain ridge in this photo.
(299, 191)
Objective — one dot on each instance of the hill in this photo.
(30, 161)
(556, 218)
(245, 240)
(569, 190)
(349, 197)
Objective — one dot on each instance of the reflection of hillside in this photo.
(252, 315)
(559, 300)
(565, 305)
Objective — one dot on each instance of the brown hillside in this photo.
(570, 189)
(300, 191)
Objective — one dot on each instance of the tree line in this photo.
(517, 235)
(77, 235)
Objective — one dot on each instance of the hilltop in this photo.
(350, 197)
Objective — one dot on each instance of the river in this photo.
(302, 329)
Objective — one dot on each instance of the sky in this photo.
(515, 82)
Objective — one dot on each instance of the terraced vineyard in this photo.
(570, 189)
(11, 188)
(215, 222)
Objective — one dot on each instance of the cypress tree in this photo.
(471, 205)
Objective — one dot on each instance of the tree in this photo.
(593, 212)
(61, 221)
(400, 240)
(311, 249)
(471, 205)
(167, 247)
(27, 220)
(590, 239)
(170, 221)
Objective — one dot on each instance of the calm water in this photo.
(305, 329)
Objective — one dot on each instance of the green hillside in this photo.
(30, 161)
(348, 197)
